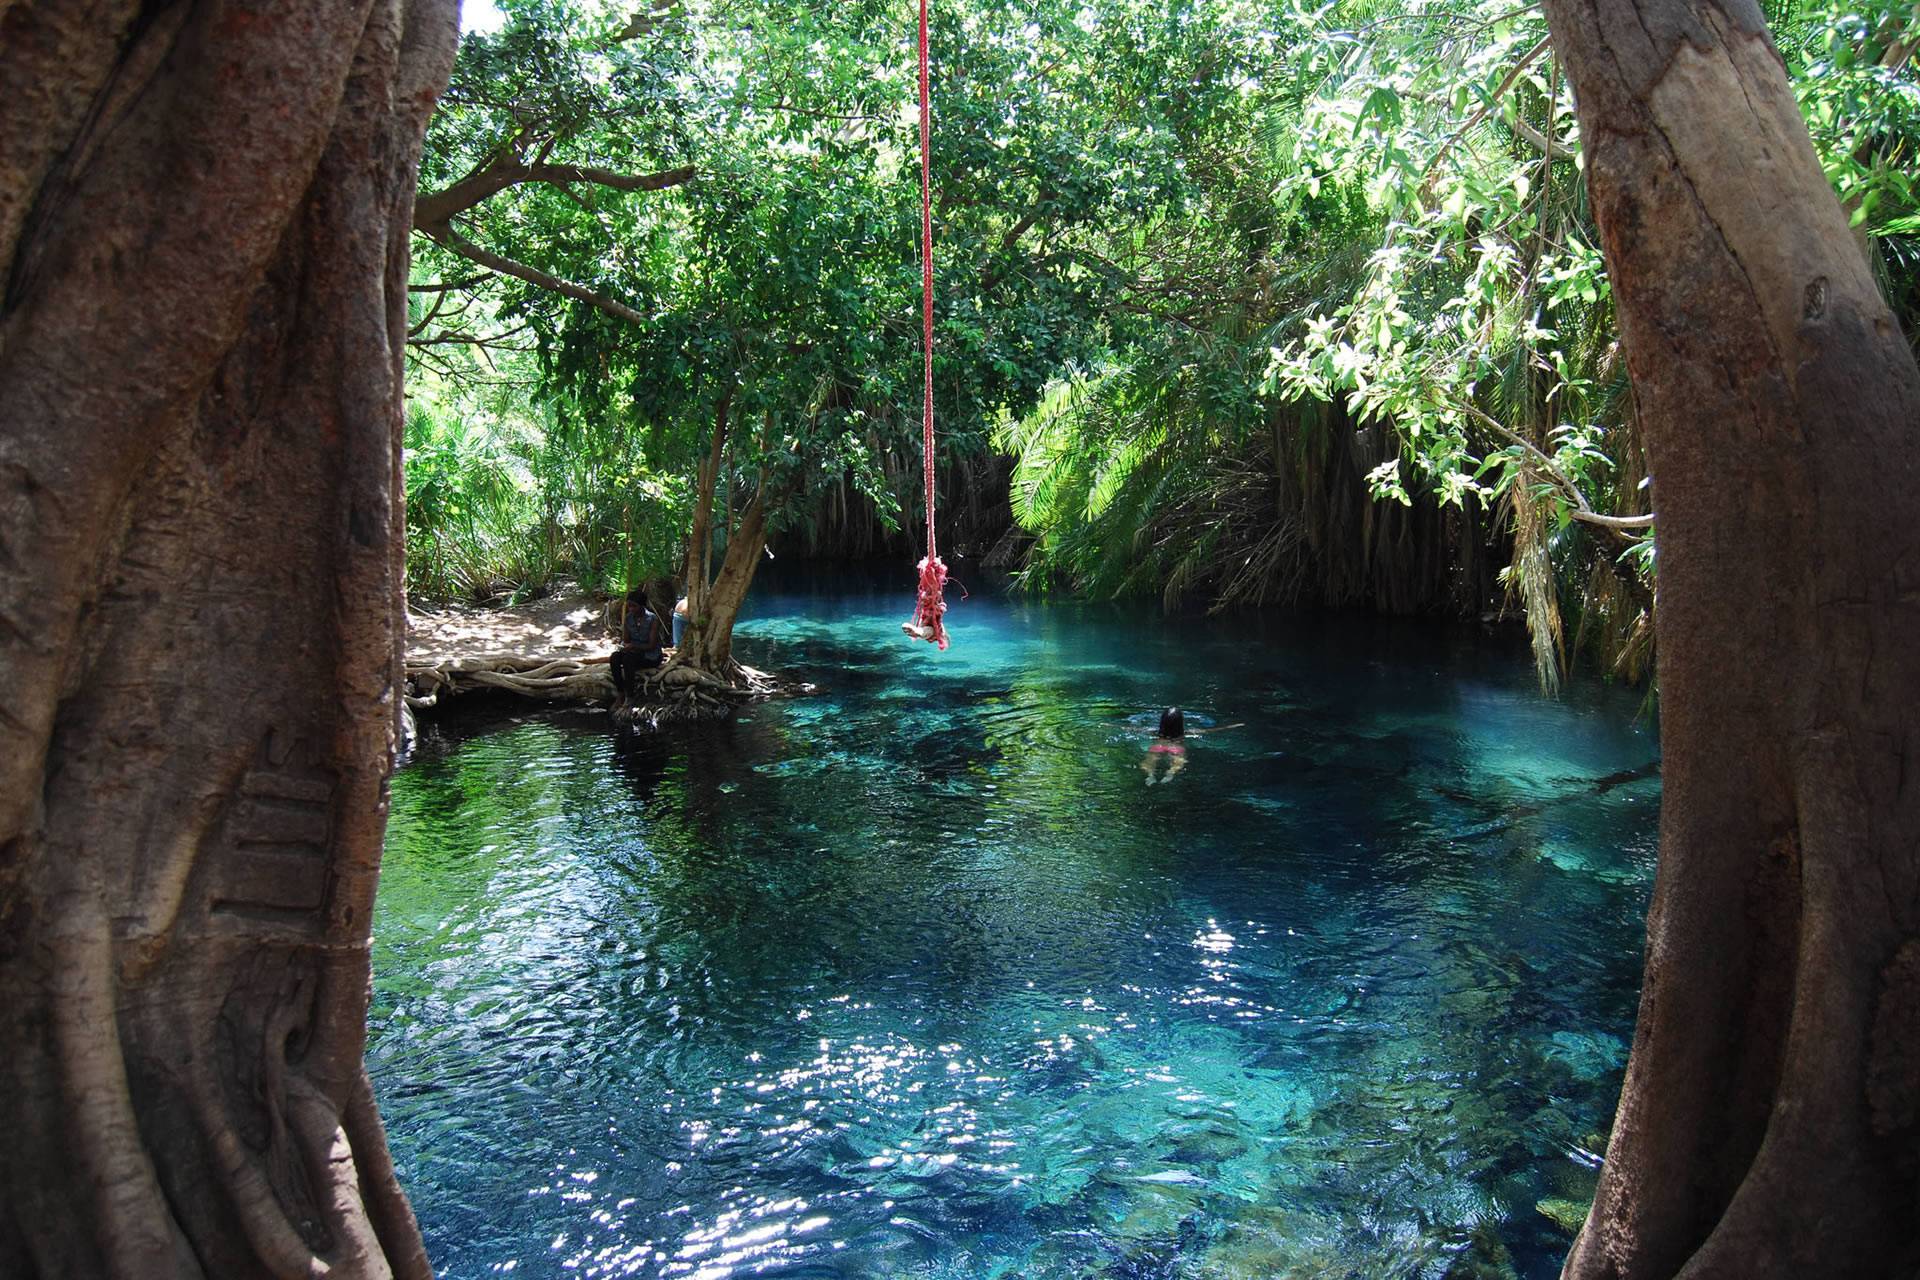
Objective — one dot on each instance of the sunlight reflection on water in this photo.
(916, 977)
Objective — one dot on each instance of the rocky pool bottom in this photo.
(919, 978)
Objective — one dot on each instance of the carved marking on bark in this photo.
(278, 834)
(14, 910)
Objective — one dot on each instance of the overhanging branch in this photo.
(464, 282)
(1486, 108)
(506, 169)
(1027, 221)
(453, 242)
(1540, 142)
(645, 20)
(1581, 510)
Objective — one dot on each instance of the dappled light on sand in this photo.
(568, 625)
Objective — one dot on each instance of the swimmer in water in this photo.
(1170, 745)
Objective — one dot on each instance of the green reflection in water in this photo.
(917, 978)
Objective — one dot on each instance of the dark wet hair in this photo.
(1172, 723)
(637, 596)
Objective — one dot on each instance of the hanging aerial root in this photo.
(1532, 579)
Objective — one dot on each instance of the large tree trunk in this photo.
(708, 643)
(203, 264)
(700, 537)
(1770, 1123)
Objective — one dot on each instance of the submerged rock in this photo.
(1155, 1218)
(1483, 1257)
(1271, 1243)
(1590, 1055)
(1607, 869)
(1568, 1215)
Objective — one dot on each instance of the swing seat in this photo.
(930, 604)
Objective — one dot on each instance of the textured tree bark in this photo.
(708, 643)
(204, 211)
(700, 537)
(1770, 1123)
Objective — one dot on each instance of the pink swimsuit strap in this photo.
(1171, 748)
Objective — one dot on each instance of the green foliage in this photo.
(1207, 270)
(503, 499)
(1482, 331)
(1430, 268)
(1851, 68)
(783, 281)
(467, 507)
(1108, 455)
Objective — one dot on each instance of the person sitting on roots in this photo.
(642, 644)
(1170, 745)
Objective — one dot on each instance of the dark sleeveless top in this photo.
(643, 632)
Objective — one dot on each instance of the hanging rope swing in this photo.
(931, 601)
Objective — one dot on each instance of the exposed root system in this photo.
(676, 694)
(553, 679)
(685, 694)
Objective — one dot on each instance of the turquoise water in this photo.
(917, 977)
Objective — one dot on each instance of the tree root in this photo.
(546, 678)
(678, 693)
(683, 694)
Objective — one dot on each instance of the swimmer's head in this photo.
(1172, 723)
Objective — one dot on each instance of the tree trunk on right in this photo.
(1770, 1120)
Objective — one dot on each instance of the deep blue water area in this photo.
(919, 977)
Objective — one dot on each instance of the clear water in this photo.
(919, 978)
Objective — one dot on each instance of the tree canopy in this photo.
(1260, 302)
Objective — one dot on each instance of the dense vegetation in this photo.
(1240, 302)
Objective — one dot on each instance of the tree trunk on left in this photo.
(204, 210)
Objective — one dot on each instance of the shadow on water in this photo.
(916, 977)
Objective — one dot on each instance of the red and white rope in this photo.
(930, 602)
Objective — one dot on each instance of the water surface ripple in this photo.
(919, 978)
